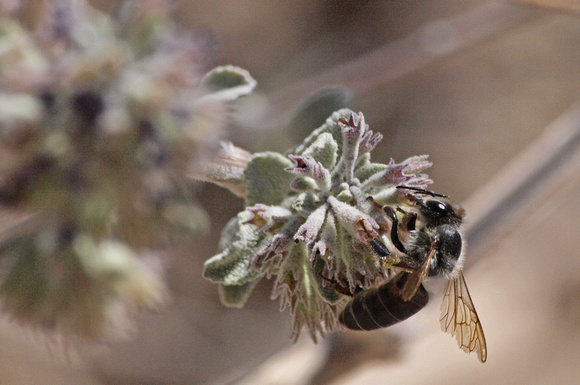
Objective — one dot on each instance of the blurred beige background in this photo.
(473, 109)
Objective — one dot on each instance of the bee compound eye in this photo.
(436, 211)
(438, 207)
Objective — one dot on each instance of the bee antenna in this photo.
(423, 191)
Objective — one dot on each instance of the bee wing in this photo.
(416, 278)
(459, 318)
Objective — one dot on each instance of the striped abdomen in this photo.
(383, 306)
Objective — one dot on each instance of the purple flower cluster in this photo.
(309, 227)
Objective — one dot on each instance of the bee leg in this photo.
(395, 236)
(340, 288)
(390, 212)
(411, 221)
(404, 263)
(375, 244)
(374, 202)
(395, 229)
(379, 207)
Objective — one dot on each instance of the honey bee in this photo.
(434, 248)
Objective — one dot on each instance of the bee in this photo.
(434, 248)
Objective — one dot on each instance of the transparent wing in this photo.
(416, 278)
(459, 318)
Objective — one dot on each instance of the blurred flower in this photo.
(101, 120)
(308, 219)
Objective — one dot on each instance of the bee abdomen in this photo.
(382, 307)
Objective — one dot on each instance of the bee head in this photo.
(436, 212)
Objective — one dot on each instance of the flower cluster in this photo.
(308, 221)
(100, 121)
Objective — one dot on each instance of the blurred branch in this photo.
(397, 59)
(14, 223)
(564, 5)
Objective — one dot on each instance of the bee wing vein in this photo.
(459, 318)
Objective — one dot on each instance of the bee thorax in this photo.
(448, 251)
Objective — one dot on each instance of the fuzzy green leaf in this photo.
(323, 149)
(236, 295)
(368, 170)
(228, 82)
(325, 289)
(305, 203)
(232, 265)
(267, 181)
